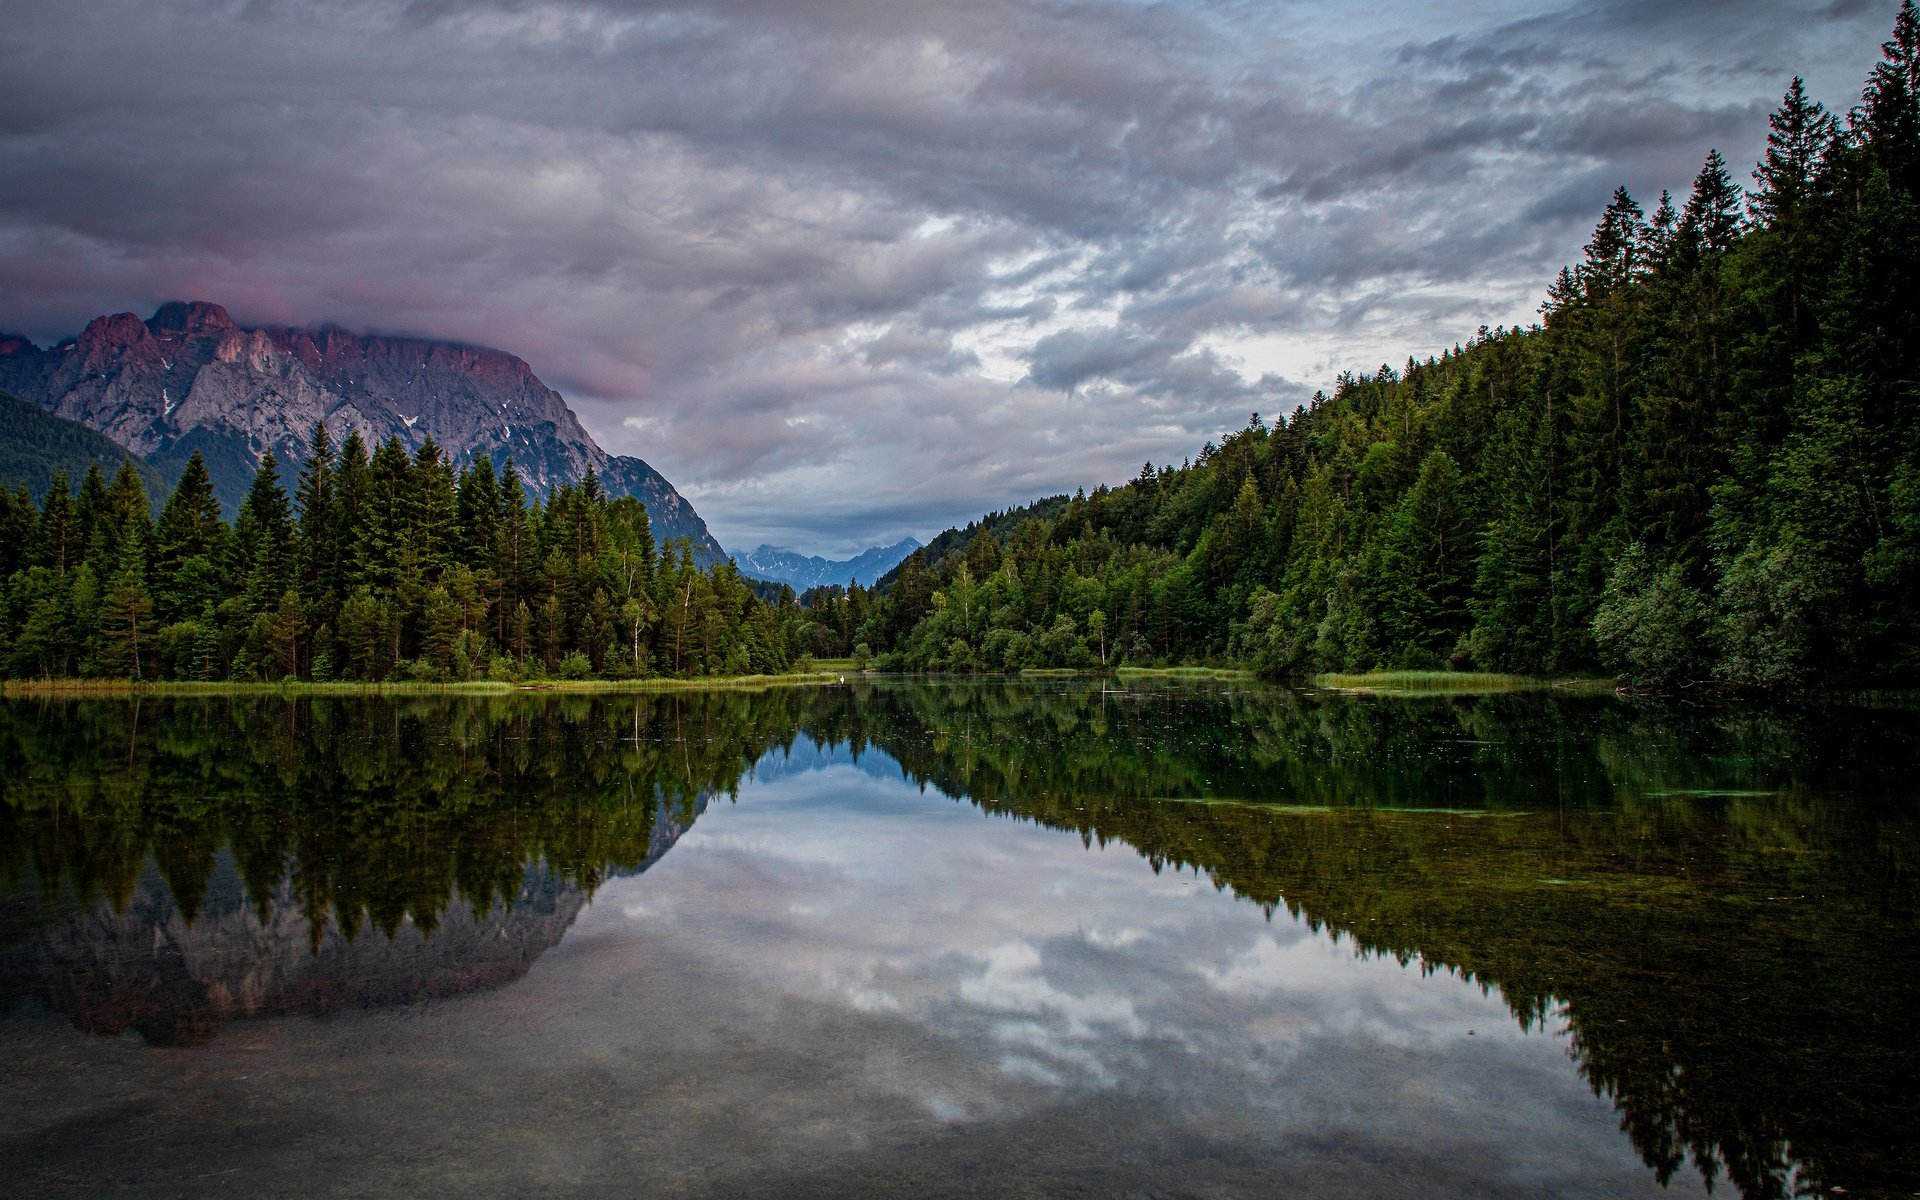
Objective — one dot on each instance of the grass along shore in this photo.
(26, 689)
(824, 671)
(1454, 683)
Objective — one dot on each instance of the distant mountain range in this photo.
(191, 378)
(811, 571)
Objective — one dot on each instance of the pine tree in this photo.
(126, 629)
(320, 576)
(1711, 219)
(56, 535)
(263, 537)
(88, 506)
(381, 531)
(1800, 135)
(1434, 546)
(1614, 255)
(124, 515)
(1890, 117)
(16, 530)
(479, 512)
(282, 638)
(189, 547)
(433, 508)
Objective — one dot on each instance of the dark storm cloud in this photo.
(846, 269)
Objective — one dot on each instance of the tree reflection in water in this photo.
(1718, 907)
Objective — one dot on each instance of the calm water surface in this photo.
(996, 939)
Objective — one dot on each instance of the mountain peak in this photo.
(190, 318)
(120, 329)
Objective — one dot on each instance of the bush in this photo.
(574, 666)
(1776, 607)
(1650, 626)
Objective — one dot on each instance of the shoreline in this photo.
(84, 689)
(1385, 684)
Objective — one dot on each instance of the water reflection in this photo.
(178, 981)
(1717, 908)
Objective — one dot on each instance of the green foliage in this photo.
(1649, 625)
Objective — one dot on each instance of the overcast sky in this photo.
(845, 270)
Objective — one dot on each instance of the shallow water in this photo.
(993, 939)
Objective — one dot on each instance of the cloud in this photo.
(801, 254)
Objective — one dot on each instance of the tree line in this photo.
(1702, 464)
(380, 566)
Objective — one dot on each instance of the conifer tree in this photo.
(56, 535)
(16, 529)
(263, 536)
(319, 516)
(189, 547)
(126, 628)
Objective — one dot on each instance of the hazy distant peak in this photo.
(803, 571)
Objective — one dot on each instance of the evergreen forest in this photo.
(381, 566)
(1702, 466)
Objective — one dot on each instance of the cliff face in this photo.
(190, 378)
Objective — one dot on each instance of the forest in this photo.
(1702, 466)
(381, 566)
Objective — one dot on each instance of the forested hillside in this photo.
(1704, 464)
(381, 566)
(35, 444)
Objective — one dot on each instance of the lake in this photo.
(941, 938)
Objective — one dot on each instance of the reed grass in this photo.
(1186, 673)
(1453, 683)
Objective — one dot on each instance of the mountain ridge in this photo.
(191, 378)
(804, 571)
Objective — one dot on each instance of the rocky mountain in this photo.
(191, 378)
(34, 444)
(810, 571)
